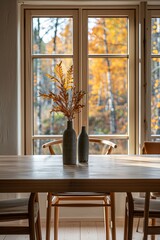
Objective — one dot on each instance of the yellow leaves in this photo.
(35, 79)
(155, 51)
(68, 83)
(111, 32)
(52, 77)
(156, 84)
(35, 47)
(59, 70)
(49, 76)
(154, 121)
(67, 99)
(154, 31)
(45, 96)
(69, 77)
(154, 26)
(156, 127)
(156, 59)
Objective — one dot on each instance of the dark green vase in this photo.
(83, 146)
(69, 145)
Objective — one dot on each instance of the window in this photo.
(154, 75)
(101, 46)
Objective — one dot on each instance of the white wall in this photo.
(8, 77)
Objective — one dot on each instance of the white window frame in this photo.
(78, 65)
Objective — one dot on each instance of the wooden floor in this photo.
(79, 231)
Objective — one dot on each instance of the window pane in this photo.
(37, 147)
(95, 148)
(108, 96)
(122, 146)
(52, 35)
(155, 35)
(44, 122)
(155, 96)
(108, 35)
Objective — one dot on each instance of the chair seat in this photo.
(140, 202)
(15, 207)
(76, 194)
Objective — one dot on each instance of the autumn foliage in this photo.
(67, 100)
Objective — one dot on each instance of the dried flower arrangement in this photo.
(67, 100)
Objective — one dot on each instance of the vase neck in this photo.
(69, 124)
(83, 128)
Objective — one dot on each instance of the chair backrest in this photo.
(151, 148)
(108, 146)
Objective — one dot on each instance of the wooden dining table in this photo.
(111, 173)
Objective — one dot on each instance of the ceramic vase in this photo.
(69, 145)
(83, 146)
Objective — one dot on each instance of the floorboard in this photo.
(80, 230)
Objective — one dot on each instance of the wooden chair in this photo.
(152, 212)
(103, 199)
(151, 148)
(135, 207)
(20, 209)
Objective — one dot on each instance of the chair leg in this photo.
(48, 220)
(153, 222)
(130, 227)
(56, 221)
(38, 228)
(32, 235)
(38, 222)
(113, 220)
(146, 216)
(125, 224)
(106, 218)
(31, 217)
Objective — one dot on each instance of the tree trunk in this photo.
(53, 66)
(110, 92)
(39, 76)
